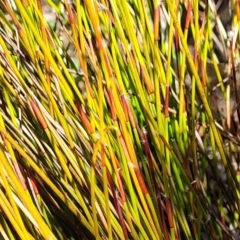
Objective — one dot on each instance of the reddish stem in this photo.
(38, 115)
(84, 119)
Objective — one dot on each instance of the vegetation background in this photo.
(119, 119)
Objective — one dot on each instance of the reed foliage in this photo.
(111, 125)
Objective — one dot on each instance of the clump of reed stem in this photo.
(111, 122)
